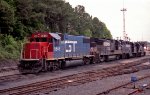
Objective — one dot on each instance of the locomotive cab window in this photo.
(37, 40)
(50, 40)
(43, 39)
(56, 42)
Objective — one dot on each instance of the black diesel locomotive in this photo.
(108, 49)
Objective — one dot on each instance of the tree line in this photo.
(20, 18)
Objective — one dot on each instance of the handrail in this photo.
(45, 49)
(22, 51)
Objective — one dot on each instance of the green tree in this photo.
(6, 18)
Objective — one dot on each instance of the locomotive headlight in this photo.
(145, 48)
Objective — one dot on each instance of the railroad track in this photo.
(4, 76)
(17, 76)
(124, 85)
(7, 69)
(139, 90)
(11, 77)
(75, 79)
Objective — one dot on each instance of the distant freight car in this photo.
(50, 51)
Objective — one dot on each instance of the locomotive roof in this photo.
(56, 36)
(46, 34)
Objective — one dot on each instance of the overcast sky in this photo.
(108, 11)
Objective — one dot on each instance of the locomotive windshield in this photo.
(41, 40)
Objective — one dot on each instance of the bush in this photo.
(9, 47)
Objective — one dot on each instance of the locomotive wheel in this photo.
(86, 60)
(38, 68)
(96, 58)
(91, 60)
(106, 58)
(123, 56)
(117, 57)
(134, 55)
(63, 65)
(49, 66)
(127, 56)
(102, 59)
(144, 54)
(55, 65)
(140, 54)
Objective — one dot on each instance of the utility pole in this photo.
(124, 31)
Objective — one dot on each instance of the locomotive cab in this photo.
(38, 47)
(37, 51)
